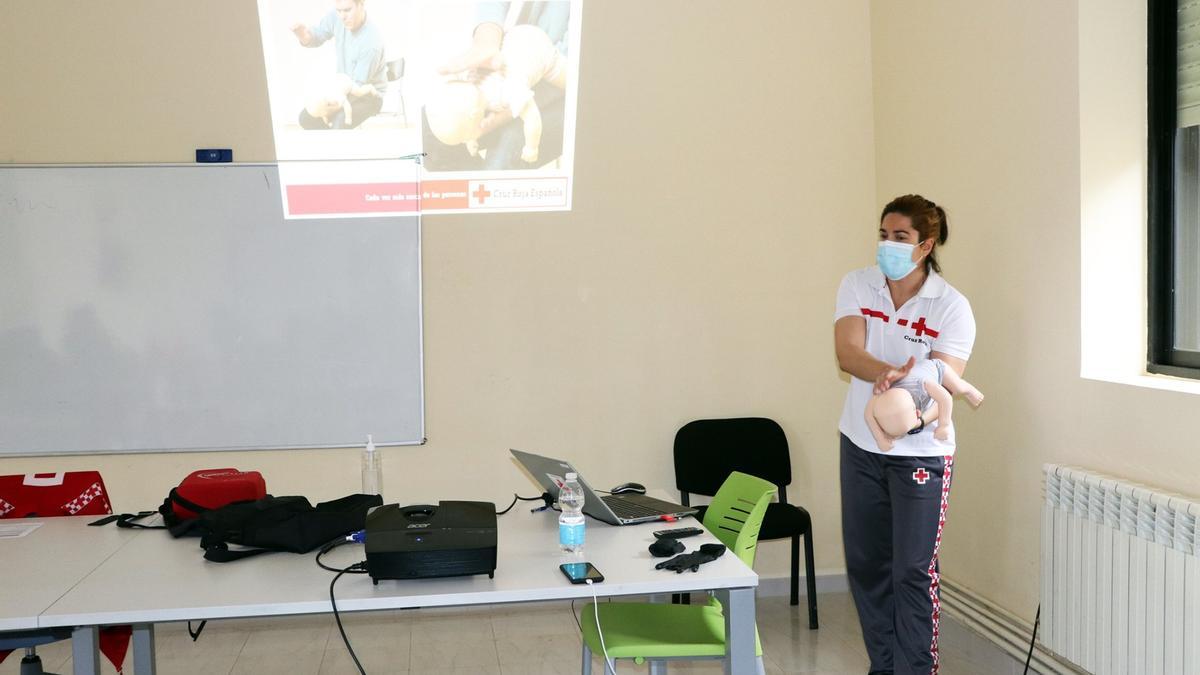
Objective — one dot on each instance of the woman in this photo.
(894, 503)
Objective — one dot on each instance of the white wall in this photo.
(978, 106)
(724, 160)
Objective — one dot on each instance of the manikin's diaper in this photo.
(914, 382)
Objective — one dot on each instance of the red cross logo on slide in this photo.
(481, 194)
(920, 476)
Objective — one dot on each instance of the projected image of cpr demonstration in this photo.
(386, 107)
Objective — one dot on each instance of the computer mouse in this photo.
(623, 488)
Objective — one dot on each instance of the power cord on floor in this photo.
(1036, 620)
(356, 568)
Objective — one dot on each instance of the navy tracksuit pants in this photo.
(893, 511)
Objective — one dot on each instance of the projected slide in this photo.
(382, 107)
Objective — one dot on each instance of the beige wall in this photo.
(724, 160)
(978, 106)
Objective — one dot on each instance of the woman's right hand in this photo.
(885, 379)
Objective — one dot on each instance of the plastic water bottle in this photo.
(372, 470)
(571, 523)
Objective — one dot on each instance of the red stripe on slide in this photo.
(312, 200)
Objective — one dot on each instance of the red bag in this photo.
(209, 489)
(45, 495)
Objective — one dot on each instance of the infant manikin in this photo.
(331, 95)
(456, 108)
(923, 396)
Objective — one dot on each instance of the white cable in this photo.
(604, 650)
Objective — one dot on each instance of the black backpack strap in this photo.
(220, 553)
(126, 520)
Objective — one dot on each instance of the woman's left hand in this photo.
(885, 380)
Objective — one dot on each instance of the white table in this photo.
(40, 567)
(155, 578)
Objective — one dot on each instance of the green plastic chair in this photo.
(660, 631)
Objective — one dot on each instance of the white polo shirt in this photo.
(937, 319)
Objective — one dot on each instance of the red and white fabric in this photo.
(66, 493)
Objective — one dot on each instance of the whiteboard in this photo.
(158, 308)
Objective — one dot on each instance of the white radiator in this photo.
(1120, 575)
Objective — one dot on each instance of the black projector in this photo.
(416, 542)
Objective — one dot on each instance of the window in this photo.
(1173, 179)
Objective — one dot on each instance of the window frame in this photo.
(1162, 357)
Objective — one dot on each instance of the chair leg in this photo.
(812, 580)
(31, 664)
(587, 661)
(795, 569)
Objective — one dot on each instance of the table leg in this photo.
(85, 650)
(143, 649)
(739, 630)
(658, 667)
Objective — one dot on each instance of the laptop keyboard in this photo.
(625, 508)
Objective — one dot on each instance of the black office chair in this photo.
(393, 98)
(706, 451)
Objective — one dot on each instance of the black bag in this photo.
(276, 524)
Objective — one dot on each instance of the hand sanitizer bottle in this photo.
(372, 470)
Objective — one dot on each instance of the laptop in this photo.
(625, 509)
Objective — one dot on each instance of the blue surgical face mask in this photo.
(895, 259)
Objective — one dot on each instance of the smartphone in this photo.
(580, 573)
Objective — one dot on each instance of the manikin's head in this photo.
(454, 111)
(896, 412)
(326, 95)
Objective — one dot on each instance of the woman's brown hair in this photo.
(928, 219)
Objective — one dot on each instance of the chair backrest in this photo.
(395, 69)
(45, 495)
(736, 513)
(707, 450)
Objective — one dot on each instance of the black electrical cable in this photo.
(329, 547)
(1036, 620)
(517, 498)
(356, 568)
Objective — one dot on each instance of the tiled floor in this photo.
(537, 639)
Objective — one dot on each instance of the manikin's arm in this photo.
(884, 441)
(850, 340)
(958, 386)
(945, 407)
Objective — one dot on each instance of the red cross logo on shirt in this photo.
(922, 329)
(481, 194)
(920, 476)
